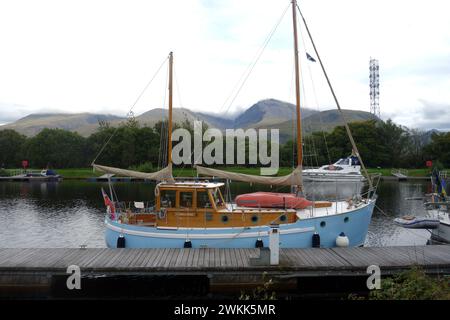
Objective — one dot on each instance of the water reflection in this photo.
(70, 213)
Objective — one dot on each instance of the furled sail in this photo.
(294, 178)
(164, 174)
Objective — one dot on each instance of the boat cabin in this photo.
(349, 161)
(200, 205)
(190, 196)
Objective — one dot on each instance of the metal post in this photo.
(274, 244)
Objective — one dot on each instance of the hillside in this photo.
(268, 113)
(84, 123)
(321, 121)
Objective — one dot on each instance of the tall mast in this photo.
(169, 157)
(297, 87)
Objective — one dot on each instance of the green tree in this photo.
(439, 148)
(56, 148)
(11, 143)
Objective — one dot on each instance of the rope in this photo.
(162, 157)
(131, 109)
(347, 128)
(252, 65)
(316, 104)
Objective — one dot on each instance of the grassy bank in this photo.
(84, 173)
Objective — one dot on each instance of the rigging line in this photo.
(316, 103)
(347, 128)
(165, 133)
(308, 158)
(129, 112)
(291, 89)
(252, 65)
(177, 87)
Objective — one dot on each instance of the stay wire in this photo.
(316, 104)
(246, 74)
(130, 111)
(347, 128)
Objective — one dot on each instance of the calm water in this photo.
(70, 213)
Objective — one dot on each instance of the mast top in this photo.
(169, 136)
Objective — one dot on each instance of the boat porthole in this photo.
(254, 219)
(346, 219)
(225, 219)
(283, 218)
(323, 224)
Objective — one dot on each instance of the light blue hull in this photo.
(354, 224)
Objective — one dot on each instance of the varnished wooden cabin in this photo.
(202, 205)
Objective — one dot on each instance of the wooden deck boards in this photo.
(221, 260)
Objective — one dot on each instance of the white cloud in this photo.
(98, 55)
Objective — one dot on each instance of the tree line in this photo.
(381, 144)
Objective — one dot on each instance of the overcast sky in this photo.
(96, 56)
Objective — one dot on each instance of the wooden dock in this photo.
(400, 174)
(43, 272)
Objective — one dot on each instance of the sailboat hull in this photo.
(354, 223)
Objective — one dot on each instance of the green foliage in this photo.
(144, 167)
(55, 148)
(413, 284)
(381, 144)
(11, 144)
(129, 145)
(439, 148)
(262, 292)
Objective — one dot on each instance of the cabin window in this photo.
(217, 195)
(186, 199)
(203, 200)
(168, 198)
(283, 218)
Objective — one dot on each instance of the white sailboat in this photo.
(194, 213)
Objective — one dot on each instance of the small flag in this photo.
(310, 58)
(109, 204)
(443, 186)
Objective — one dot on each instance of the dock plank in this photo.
(222, 260)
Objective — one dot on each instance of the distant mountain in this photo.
(84, 123)
(268, 114)
(425, 136)
(321, 121)
(181, 115)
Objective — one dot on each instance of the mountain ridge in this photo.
(267, 113)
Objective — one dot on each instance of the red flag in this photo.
(109, 204)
